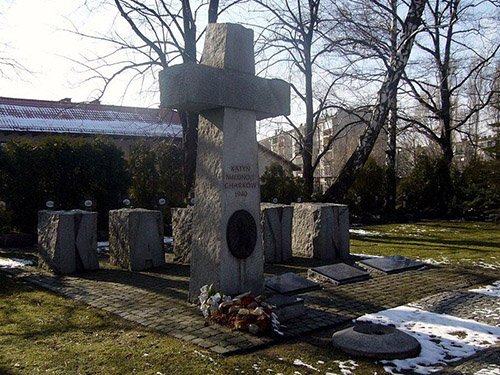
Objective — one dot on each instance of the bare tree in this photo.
(394, 71)
(453, 65)
(296, 36)
(162, 32)
(369, 34)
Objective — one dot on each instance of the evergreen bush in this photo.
(278, 183)
(65, 170)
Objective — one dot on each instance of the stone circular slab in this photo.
(366, 339)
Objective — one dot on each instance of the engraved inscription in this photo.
(240, 178)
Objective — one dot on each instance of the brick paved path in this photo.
(157, 299)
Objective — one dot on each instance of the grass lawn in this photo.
(42, 333)
(460, 243)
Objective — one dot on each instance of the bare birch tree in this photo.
(296, 37)
(394, 72)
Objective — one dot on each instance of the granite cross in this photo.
(226, 234)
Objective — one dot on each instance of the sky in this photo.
(35, 33)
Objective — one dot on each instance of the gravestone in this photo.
(321, 231)
(287, 307)
(182, 224)
(136, 239)
(67, 241)
(391, 264)
(290, 283)
(227, 250)
(276, 232)
(337, 274)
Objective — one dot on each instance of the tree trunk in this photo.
(349, 172)
(189, 120)
(213, 11)
(390, 160)
(391, 181)
(307, 150)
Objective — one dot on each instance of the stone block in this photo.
(287, 307)
(391, 264)
(182, 224)
(67, 241)
(276, 223)
(337, 274)
(136, 239)
(290, 283)
(321, 231)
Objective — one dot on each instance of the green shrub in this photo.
(65, 170)
(280, 184)
(367, 193)
(428, 192)
(480, 185)
(156, 171)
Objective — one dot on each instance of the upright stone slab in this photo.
(136, 239)
(321, 231)
(182, 224)
(227, 250)
(67, 241)
(276, 232)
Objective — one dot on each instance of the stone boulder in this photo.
(276, 220)
(321, 231)
(136, 239)
(67, 241)
(182, 224)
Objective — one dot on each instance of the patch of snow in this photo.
(366, 256)
(168, 240)
(298, 362)
(204, 356)
(347, 367)
(487, 265)
(365, 233)
(103, 247)
(434, 261)
(443, 338)
(490, 370)
(15, 262)
(489, 290)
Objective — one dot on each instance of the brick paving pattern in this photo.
(157, 299)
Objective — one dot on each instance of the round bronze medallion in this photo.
(241, 234)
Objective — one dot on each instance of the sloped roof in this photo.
(43, 116)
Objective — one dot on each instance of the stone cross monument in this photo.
(227, 250)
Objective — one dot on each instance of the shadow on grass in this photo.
(5, 371)
(161, 281)
(36, 313)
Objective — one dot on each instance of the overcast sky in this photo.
(34, 33)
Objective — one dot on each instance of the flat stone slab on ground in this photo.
(290, 283)
(287, 307)
(391, 264)
(338, 274)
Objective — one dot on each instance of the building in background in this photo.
(26, 118)
(345, 129)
